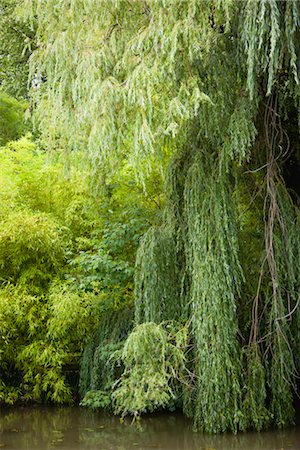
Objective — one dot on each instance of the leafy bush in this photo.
(40, 335)
(35, 180)
(32, 248)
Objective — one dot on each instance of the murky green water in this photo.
(75, 428)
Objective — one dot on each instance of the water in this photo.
(44, 428)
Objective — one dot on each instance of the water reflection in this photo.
(75, 428)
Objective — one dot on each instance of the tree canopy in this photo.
(205, 96)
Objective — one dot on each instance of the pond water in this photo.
(77, 428)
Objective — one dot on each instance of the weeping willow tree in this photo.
(207, 91)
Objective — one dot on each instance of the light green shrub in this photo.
(154, 361)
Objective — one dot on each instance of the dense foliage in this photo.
(16, 45)
(62, 265)
(202, 98)
(12, 124)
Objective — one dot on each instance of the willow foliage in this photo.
(16, 45)
(99, 366)
(154, 361)
(211, 87)
(216, 278)
(156, 283)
